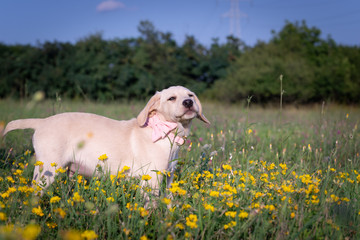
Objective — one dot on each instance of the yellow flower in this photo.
(243, 214)
(77, 197)
(334, 197)
(226, 167)
(38, 211)
(54, 164)
(55, 199)
(209, 207)
(143, 212)
(176, 189)
(61, 212)
(10, 179)
(145, 177)
(51, 225)
(126, 231)
(214, 194)
(249, 131)
(271, 208)
(103, 158)
(292, 215)
(167, 201)
(191, 221)
(283, 166)
(230, 225)
(71, 235)
(3, 216)
(27, 152)
(39, 163)
(125, 168)
(132, 207)
(31, 231)
(315, 199)
(230, 214)
(18, 172)
(89, 234)
(186, 207)
(11, 190)
(180, 226)
(143, 237)
(60, 170)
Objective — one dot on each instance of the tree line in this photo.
(314, 69)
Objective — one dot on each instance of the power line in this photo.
(235, 16)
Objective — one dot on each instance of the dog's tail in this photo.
(33, 123)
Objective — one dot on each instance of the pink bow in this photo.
(161, 129)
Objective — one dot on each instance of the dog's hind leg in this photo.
(45, 168)
(44, 174)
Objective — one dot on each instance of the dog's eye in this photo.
(172, 99)
(190, 95)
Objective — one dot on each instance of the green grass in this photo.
(253, 174)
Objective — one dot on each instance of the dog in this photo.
(146, 144)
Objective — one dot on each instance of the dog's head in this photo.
(174, 104)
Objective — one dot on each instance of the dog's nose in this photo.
(188, 103)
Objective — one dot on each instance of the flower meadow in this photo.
(252, 174)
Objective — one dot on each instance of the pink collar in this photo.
(162, 129)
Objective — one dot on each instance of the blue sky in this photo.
(37, 21)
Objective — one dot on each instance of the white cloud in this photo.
(109, 5)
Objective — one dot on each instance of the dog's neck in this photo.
(176, 132)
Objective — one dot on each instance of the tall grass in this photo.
(247, 176)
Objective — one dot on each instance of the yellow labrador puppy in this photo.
(146, 143)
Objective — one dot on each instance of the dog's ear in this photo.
(152, 105)
(200, 114)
